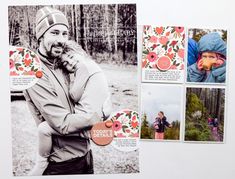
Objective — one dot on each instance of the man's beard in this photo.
(55, 51)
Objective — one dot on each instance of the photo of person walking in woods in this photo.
(160, 124)
(167, 100)
(204, 117)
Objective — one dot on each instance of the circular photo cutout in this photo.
(126, 127)
(25, 68)
(163, 63)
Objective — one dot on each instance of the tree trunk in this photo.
(82, 27)
(115, 28)
(75, 23)
(29, 29)
(218, 105)
(106, 15)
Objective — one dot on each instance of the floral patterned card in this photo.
(163, 54)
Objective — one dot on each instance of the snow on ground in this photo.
(123, 86)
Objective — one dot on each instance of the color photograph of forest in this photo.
(205, 114)
(166, 98)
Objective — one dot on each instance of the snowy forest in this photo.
(107, 32)
(203, 104)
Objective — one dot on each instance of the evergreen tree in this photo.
(145, 130)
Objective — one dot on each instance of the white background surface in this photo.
(157, 159)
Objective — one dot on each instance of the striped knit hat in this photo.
(48, 17)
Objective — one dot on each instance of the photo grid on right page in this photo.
(183, 84)
(206, 84)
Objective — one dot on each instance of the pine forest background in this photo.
(201, 104)
(107, 32)
(148, 130)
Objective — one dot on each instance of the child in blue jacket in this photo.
(211, 64)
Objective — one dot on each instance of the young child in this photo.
(160, 124)
(89, 91)
(211, 64)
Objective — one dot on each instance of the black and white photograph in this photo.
(87, 72)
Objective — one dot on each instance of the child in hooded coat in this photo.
(211, 64)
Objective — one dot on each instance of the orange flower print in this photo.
(163, 40)
(159, 30)
(170, 55)
(27, 62)
(152, 56)
(134, 124)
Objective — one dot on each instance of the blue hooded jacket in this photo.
(211, 42)
(192, 51)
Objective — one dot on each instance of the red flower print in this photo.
(21, 68)
(133, 118)
(181, 53)
(179, 29)
(152, 56)
(173, 43)
(11, 63)
(134, 124)
(170, 49)
(127, 130)
(154, 46)
(163, 40)
(27, 55)
(117, 125)
(153, 39)
(10, 53)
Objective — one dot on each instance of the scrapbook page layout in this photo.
(195, 109)
(74, 97)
